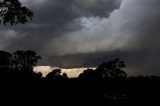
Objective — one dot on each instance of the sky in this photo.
(71, 72)
(84, 33)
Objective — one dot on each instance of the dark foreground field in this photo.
(79, 93)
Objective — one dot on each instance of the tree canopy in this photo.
(111, 69)
(56, 74)
(23, 59)
(19, 65)
(12, 12)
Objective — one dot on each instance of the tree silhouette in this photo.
(19, 65)
(5, 64)
(5, 59)
(87, 74)
(65, 76)
(25, 59)
(12, 12)
(56, 75)
(111, 69)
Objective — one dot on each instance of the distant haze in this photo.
(72, 73)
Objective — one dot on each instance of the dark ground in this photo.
(80, 93)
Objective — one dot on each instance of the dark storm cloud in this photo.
(78, 33)
(142, 22)
(84, 60)
(54, 18)
(133, 30)
(57, 14)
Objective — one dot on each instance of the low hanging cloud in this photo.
(96, 35)
(71, 73)
(141, 21)
(5, 37)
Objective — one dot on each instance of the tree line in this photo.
(20, 65)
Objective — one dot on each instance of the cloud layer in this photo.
(76, 33)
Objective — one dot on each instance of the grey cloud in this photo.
(133, 30)
(83, 60)
(55, 18)
(98, 7)
(6, 36)
(76, 33)
(142, 22)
